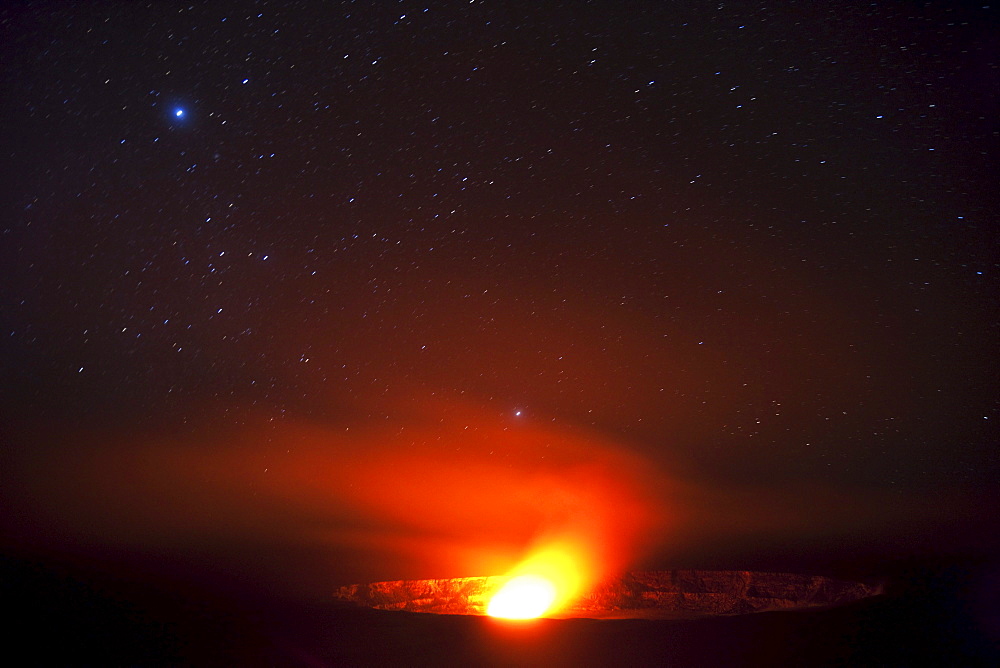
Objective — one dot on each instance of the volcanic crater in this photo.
(667, 594)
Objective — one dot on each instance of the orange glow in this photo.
(543, 583)
(444, 490)
(523, 597)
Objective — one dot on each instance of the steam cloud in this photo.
(440, 490)
(461, 492)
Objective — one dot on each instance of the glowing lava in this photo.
(523, 597)
(544, 583)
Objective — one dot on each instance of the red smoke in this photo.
(446, 492)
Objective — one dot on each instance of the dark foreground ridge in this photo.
(941, 615)
(673, 594)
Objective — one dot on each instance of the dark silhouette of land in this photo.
(930, 614)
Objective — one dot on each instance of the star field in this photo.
(757, 242)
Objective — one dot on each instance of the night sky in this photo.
(752, 247)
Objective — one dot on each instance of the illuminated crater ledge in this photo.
(676, 594)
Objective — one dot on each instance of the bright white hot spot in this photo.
(523, 597)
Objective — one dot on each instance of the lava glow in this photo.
(550, 578)
(523, 597)
(446, 490)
